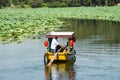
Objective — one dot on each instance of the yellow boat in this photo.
(66, 53)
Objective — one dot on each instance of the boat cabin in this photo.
(51, 35)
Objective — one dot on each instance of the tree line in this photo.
(56, 3)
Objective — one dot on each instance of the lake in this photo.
(97, 55)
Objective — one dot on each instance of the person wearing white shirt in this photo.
(55, 45)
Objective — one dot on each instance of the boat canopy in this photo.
(60, 34)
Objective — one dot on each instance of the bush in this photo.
(23, 6)
(44, 5)
(54, 4)
(36, 3)
(57, 4)
(26, 6)
(62, 5)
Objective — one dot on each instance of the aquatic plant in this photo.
(20, 24)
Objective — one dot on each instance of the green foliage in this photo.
(57, 3)
(44, 5)
(20, 24)
(36, 3)
(62, 4)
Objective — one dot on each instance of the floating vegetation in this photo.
(19, 24)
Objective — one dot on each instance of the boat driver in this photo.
(55, 46)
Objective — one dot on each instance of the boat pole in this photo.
(53, 58)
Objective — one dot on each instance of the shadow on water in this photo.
(60, 71)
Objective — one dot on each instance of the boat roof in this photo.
(60, 34)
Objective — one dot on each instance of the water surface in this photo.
(98, 55)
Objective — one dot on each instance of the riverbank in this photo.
(18, 24)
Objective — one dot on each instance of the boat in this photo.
(66, 53)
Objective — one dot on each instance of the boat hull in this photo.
(61, 56)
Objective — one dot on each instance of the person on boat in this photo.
(55, 46)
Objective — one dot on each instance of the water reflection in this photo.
(100, 32)
(60, 71)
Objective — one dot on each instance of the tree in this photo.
(4, 3)
(58, 3)
(35, 3)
